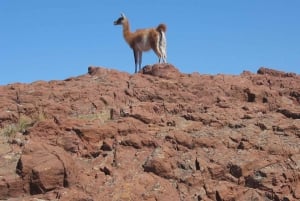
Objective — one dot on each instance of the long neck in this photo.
(126, 31)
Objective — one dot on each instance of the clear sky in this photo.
(57, 39)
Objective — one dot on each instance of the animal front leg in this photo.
(136, 55)
(140, 59)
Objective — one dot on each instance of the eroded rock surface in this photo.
(156, 135)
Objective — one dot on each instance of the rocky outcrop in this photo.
(44, 168)
(156, 135)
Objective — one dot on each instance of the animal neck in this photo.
(126, 31)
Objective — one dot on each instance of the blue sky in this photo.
(57, 39)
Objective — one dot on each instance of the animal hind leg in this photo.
(164, 56)
(156, 47)
(163, 47)
(158, 53)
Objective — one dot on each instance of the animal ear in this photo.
(122, 15)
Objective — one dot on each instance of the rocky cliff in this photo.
(155, 135)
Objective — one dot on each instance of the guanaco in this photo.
(143, 40)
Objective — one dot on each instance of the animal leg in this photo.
(136, 55)
(157, 52)
(155, 43)
(140, 59)
(163, 47)
(163, 58)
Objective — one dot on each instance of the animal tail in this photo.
(162, 42)
(161, 28)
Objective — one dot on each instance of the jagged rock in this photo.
(268, 71)
(7, 117)
(107, 145)
(133, 142)
(158, 164)
(70, 143)
(296, 193)
(184, 140)
(289, 113)
(44, 168)
(167, 71)
(11, 186)
(155, 135)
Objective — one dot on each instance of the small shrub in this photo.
(21, 126)
(9, 130)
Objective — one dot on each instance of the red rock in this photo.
(273, 72)
(251, 194)
(167, 71)
(133, 141)
(7, 117)
(184, 139)
(11, 186)
(157, 164)
(44, 168)
(297, 191)
(107, 145)
(70, 143)
(156, 135)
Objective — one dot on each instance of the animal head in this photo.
(120, 20)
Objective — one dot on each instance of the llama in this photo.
(143, 40)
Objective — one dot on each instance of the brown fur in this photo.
(133, 38)
(161, 27)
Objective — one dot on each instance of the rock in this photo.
(107, 145)
(70, 143)
(133, 141)
(7, 117)
(184, 140)
(289, 113)
(157, 164)
(250, 194)
(166, 71)
(44, 168)
(11, 186)
(155, 135)
(297, 191)
(268, 71)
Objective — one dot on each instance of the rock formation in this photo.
(155, 135)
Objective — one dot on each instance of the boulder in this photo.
(45, 168)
